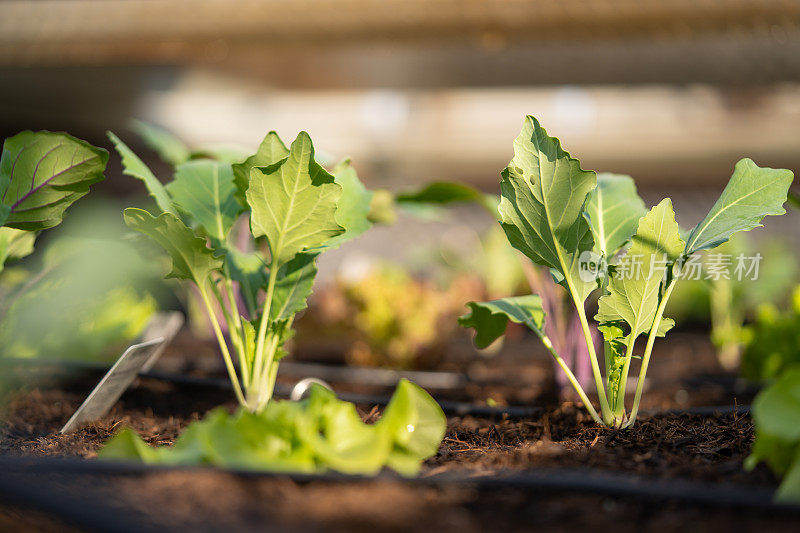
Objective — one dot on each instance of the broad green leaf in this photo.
(293, 203)
(613, 209)
(776, 410)
(353, 208)
(776, 414)
(293, 286)
(42, 173)
(489, 319)
(127, 445)
(5, 210)
(270, 151)
(341, 439)
(135, 167)
(634, 291)
(205, 190)
(448, 192)
(168, 147)
(415, 421)
(191, 258)
(15, 244)
(752, 193)
(544, 192)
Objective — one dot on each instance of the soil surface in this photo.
(703, 448)
(708, 449)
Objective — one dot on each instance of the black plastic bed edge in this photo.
(84, 514)
(451, 408)
(551, 479)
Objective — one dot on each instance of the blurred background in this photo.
(671, 93)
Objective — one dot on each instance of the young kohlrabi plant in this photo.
(296, 211)
(577, 223)
(41, 174)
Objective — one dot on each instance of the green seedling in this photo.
(296, 211)
(595, 236)
(776, 414)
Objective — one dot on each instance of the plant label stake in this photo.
(137, 358)
(164, 326)
(114, 383)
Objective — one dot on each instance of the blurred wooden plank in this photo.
(418, 43)
(109, 21)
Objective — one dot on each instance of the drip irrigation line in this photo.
(590, 481)
(373, 376)
(281, 390)
(451, 408)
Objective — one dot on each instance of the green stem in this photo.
(236, 324)
(226, 355)
(234, 329)
(570, 376)
(619, 399)
(264, 389)
(598, 377)
(647, 351)
(262, 328)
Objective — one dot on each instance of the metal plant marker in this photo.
(137, 358)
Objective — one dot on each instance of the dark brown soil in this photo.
(705, 448)
(682, 446)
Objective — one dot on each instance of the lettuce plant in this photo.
(776, 414)
(576, 223)
(41, 174)
(316, 434)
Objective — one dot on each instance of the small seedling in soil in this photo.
(296, 210)
(776, 414)
(772, 342)
(594, 235)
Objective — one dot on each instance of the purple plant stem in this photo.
(564, 330)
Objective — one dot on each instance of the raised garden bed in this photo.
(551, 466)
